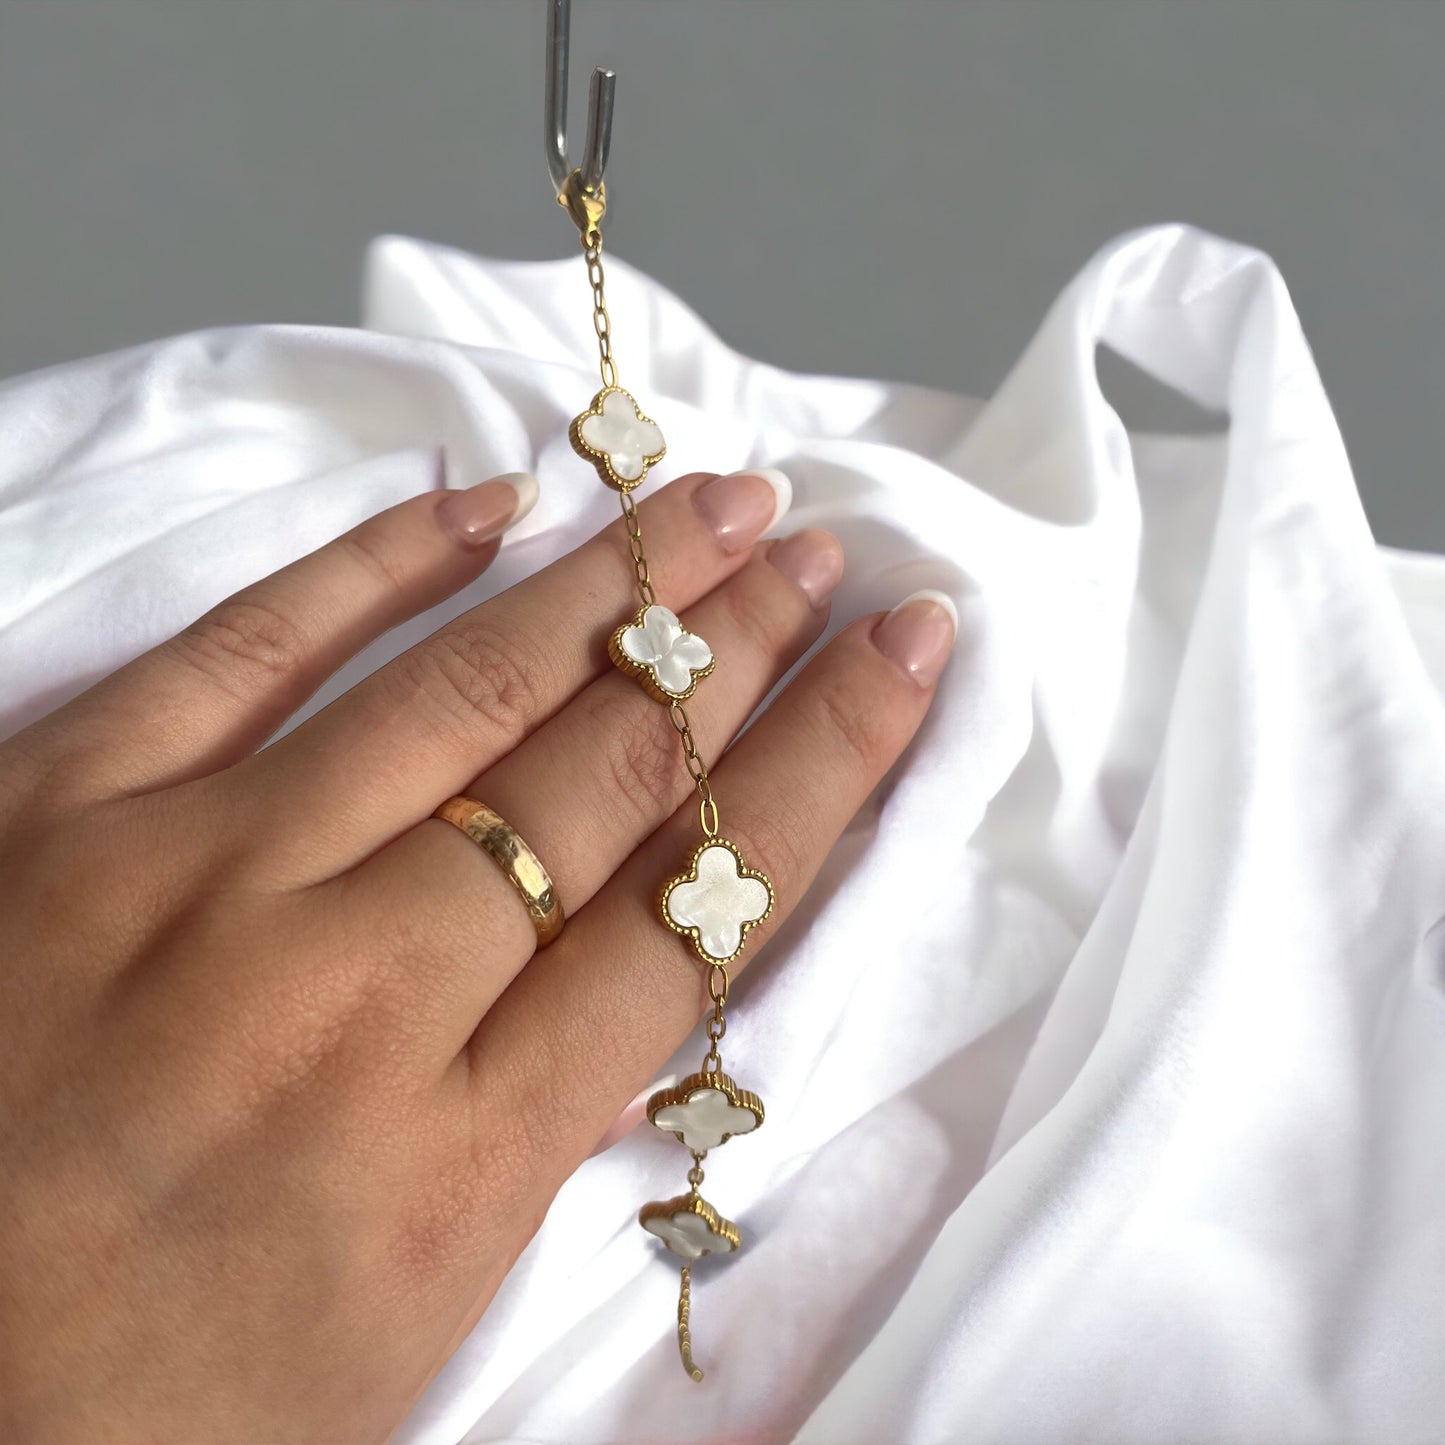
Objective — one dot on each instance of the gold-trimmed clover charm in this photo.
(656, 649)
(617, 439)
(689, 1226)
(705, 1110)
(716, 901)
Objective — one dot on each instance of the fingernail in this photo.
(918, 634)
(485, 511)
(741, 506)
(812, 560)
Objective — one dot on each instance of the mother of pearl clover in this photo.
(716, 901)
(617, 439)
(705, 1110)
(689, 1226)
(666, 659)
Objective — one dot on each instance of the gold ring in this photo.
(504, 846)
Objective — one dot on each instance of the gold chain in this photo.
(639, 557)
(716, 1025)
(587, 208)
(697, 769)
(601, 321)
(684, 1335)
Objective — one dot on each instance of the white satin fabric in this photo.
(1105, 1062)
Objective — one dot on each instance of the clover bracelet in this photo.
(717, 898)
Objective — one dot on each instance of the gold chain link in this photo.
(697, 769)
(684, 1334)
(601, 321)
(716, 1025)
(639, 557)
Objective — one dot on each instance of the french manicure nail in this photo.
(918, 634)
(485, 511)
(741, 506)
(811, 560)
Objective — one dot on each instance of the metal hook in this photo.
(599, 105)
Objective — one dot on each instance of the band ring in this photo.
(506, 848)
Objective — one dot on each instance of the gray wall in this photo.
(883, 188)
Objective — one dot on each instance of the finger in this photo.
(218, 689)
(591, 1019)
(632, 1115)
(420, 728)
(584, 791)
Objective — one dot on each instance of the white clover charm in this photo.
(716, 901)
(617, 439)
(661, 653)
(689, 1226)
(705, 1110)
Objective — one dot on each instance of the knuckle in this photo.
(640, 753)
(400, 938)
(433, 1239)
(848, 724)
(477, 673)
(777, 844)
(282, 1067)
(754, 614)
(250, 632)
(369, 549)
(428, 1245)
(514, 1148)
(542, 1106)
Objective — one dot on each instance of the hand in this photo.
(284, 1087)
